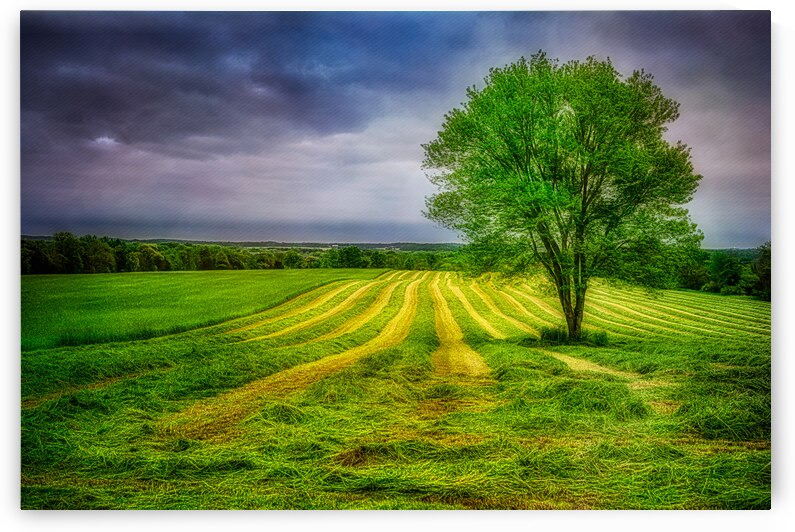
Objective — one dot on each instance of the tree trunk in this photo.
(575, 327)
(573, 311)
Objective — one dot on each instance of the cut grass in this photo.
(80, 309)
(353, 411)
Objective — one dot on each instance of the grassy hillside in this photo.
(80, 309)
(412, 390)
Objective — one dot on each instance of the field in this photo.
(399, 389)
(132, 306)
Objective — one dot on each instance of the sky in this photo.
(308, 126)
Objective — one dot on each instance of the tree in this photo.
(293, 260)
(566, 162)
(377, 258)
(98, 256)
(725, 271)
(69, 253)
(693, 272)
(150, 259)
(761, 267)
(352, 257)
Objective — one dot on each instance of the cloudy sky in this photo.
(307, 126)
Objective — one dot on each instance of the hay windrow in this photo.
(215, 417)
(527, 294)
(579, 364)
(325, 298)
(647, 319)
(406, 403)
(454, 357)
(521, 308)
(614, 318)
(483, 322)
(359, 321)
(735, 327)
(489, 302)
(349, 302)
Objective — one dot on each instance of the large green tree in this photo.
(567, 162)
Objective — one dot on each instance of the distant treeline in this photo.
(727, 271)
(66, 253)
(272, 244)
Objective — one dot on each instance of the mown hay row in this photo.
(388, 276)
(722, 306)
(677, 313)
(636, 380)
(215, 418)
(527, 293)
(323, 299)
(616, 327)
(474, 314)
(492, 306)
(727, 306)
(580, 364)
(647, 318)
(454, 356)
(359, 321)
(522, 309)
(349, 302)
(595, 312)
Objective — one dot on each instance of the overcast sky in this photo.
(308, 126)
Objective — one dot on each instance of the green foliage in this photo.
(66, 253)
(761, 267)
(560, 336)
(292, 259)
(80, 309)
(670, 421)
(725, 269)
(352, 257)
(567, 163)
(739, 272)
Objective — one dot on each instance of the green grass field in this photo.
(130, 306)
(405, 390)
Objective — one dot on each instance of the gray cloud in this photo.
(194, 124)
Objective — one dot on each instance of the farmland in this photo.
(396, 389)
(96, 308)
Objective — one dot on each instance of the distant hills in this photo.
(400, 246)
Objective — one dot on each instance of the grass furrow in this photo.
(630, 297)
(536, 318)
(402, 399)
(358, 321)
(387, 276)
(295, 311)
(714, 305)
(594, 312)
(649, 316)
(646, 318)
(481, 321)
(218, 416)
(82, 309)
(680, 316)
(491, 305)
(552, 310)
(346, 304)
(454, 356)
(580, 364)
(729, 306)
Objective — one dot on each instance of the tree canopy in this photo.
(567, 163)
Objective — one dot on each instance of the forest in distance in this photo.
(724, 271)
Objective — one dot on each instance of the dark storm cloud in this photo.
(163, 77)
(191, 122)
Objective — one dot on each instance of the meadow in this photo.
(131, 306)
(388, 390)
